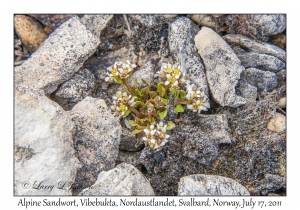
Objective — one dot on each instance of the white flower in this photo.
(122, 108)
(161, 127)
(118, 96)
(198, 106)
(119, 69)
(152, 143)
(171, 80)
(156, 136)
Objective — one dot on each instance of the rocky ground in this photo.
(65, 134)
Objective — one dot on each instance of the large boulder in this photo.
(123, 180)
(44, 153)
(96, 139)
(60, 56)
(253, 46)
(182, 46)
(223, 68)
(263, 80)
(208, 185)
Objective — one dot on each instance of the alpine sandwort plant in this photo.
(148, 105)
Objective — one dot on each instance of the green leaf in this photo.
(137, 131)
(118, 80)
(145, 82)
(166, 101)
(129, 74)
(132, 123)
(179, 108)
(136, 84)
(163, 114)
(171, 90)
(153, 94)
(138, 93)
(160, 88)
(170, 126)
(145, 90)
(127, 113)
(176, 94)
(139, 103)
(163, 92)
(182, 94)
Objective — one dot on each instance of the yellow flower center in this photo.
(201, 103)
(114, 72)
(122, 108)
(162, 135)
(152, 144)
(119, 96)
(172, 79)
(195, 106)
(168, 70)
(176, 72)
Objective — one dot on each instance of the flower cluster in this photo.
(172, 74)
(149, 105)
(199, 99)
(119, 71)
(156, 137)
(121, 102)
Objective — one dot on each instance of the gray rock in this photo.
(207, 185)
(98, 66)
(252, 46)
(182, 47)
(130, 142)
(96, 23)
(263, 80)
(270, 24)
(271, 183)
(132, 158)
(146, 71)
(44, 152)
(260, 61)
(96, 139)
(60, 56)
(281, 75)
(204, 150)
(124, 180)
(152, 20)
(247, 91)
(75, 89)
(223, 68)
(215, 124)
